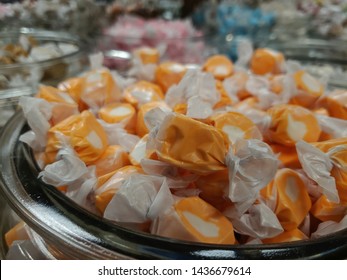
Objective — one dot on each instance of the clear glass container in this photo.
(23, 78)
(66, 231)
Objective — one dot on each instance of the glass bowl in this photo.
(322, 58)
(51, 70)
(66, 231)
(18, 78)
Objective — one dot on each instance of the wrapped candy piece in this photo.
(117, 135)
(109, 184)
(140, 151)
(214, 189)
(74, 87)
(236, 85)
(142, 71)
(198, 90)
(317, 165)
(192, 219)
(266, 61)
(245, 177)
(168, 74)
(236, 125)
(258, 222)
(287, 156)
(286, 236)
(68, 169)
(112, 159)
(329, 227)
(276, 83)
(336, 150)
(63, 104)
(336, 103)
(220, 66)
(142, 92)
(225, 99)
(291, 123)
(325, 210)
(18, 232)
(123, 113)
(134, 198)
(309, 88)
(99, 89)
(141, 127)
(37, 112)
(85, 135)
(331, 127)
(190, 144)
(292, 199)
(147, 55)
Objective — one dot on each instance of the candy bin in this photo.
(221, 160)
(29, 57)
(175, 40)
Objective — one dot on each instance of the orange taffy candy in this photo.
(337, 149)
(119, 113)
(193, 219)
(238, 82)
(309, 89)
(325, 210)
(64, 105)
(220, 66)
(336, 103)
(84, 134)
(292, 200)
(147, 55)
(291, 123)
(287, 155)
(286, 236)
(214, 189)
(191, 144)
(74, 87)
(168, 74)
(142, 92)
(265, 61)
(104, 196)
(236, 125)
(112, 159)
(225, 100)
(141, 128)
(18, 232)
(100, 88)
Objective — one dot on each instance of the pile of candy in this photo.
(234, 17)
(176, 39)
(76, 17)
(245, 152)
(28, 50)
(329, 18)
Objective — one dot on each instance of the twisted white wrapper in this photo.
(138, 199)
(317, 166)
(37, 112)
(251, 167)
(198, 90)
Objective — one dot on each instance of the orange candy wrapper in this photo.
(291, 123)
(266, 61)
(193, 219)
(190, 144)
(85, 135)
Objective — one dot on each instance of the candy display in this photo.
(329, 18)
(176, 40)
(75, 17)
(251, 151)
(28, 50)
